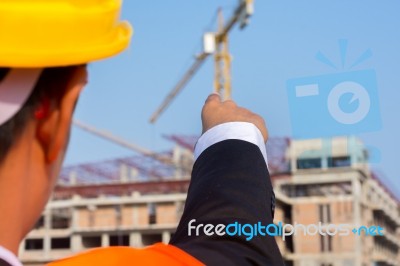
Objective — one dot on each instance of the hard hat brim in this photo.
(77, 55)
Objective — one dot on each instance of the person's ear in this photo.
(53, 130)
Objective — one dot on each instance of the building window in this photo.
(150, 239)
(311, 163)
(60, 218)
(34, 244)
(152, 213)
(91, 241)
(119, 240)
(301, 191)
(344, 161)
(61, 243)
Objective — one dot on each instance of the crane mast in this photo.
(215, 43)
(222, 61)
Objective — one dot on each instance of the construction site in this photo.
(138, 200)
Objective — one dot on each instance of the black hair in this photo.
(51, 85)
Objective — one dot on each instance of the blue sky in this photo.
(280, 44)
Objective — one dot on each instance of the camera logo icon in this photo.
(358, 92)
(337, 104)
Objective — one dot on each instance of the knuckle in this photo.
(230, 103)
(258, 119)
(261, 120)
(244, 112)
(248, 113)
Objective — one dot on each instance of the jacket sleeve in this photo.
(4, 263)
(230, 183)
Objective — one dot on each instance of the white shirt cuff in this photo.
(9, 257)
(231, 130)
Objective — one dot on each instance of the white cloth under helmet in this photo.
(15, 89)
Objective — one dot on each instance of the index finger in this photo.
(213, 97)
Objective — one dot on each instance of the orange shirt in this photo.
(158, 254)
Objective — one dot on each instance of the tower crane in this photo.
(215, 43)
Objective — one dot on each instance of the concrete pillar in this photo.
(75, 212)
(76, 242)
(176, 154)
(134, 174)
(124, 174)
(21, 248)
(326, 152)
(72, 178)
(176, 158)
(105, 240)
(135, 240)
(166, 237)
(47, 230)
(352, 150)
(293, 158)
(74, 219)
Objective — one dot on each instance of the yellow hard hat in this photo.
(52, 33)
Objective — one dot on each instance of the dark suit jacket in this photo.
(230, 182)
(4, 263)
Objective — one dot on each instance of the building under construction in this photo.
(137, 201)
